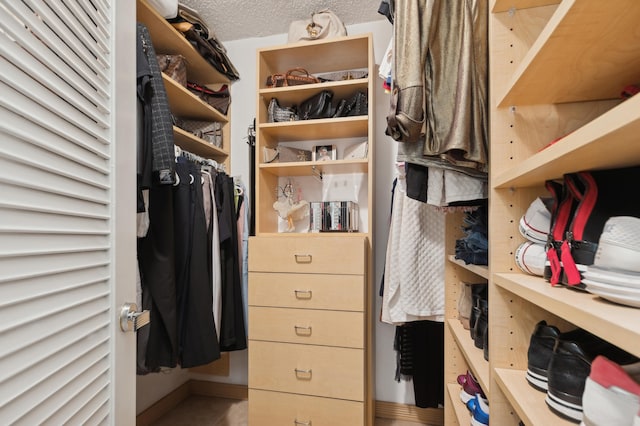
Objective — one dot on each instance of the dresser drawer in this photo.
(307, 369)
(276, 408)
(314, 327)
(315, 291)
(333, 255)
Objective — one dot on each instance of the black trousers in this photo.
(197, 338)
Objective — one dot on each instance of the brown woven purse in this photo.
(293, 77)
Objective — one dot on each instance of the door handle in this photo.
(131, 319)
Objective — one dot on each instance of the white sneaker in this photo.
(536, 222)
(619, 245)
(611, 394)
(530, 258)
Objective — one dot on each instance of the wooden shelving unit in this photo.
(557, 69)
(326, 277)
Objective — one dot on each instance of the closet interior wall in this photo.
(556, 70)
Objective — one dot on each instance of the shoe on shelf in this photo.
(541, 344)
(619, 245)
(482, 323)
(470, 387)
(530, 258)
(479, 408)
(611, 394)
(569, 368)
(535, 223)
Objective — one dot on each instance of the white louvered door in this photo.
(67, 211)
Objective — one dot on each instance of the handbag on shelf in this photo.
(317, 106)
(210, 131)
(277, 113)
(174, 66)
(293, 77)
(210, 49)
(358, 104)
(219, 99)
(321, 25)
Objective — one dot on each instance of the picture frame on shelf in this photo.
(324, 153)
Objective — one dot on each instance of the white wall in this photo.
(243, 55)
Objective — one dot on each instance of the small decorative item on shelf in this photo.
(277, 113)
(290, 205)
(219, 99)
(324, 152)
(293, 77)
(333, 216)
(210, 131)
(174, 66)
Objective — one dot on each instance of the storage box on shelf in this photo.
(304, 285)
(182, 102)
(534, 67)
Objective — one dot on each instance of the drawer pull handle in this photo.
(303, 374)
(300, 330)
(303, 294)
(298, 422)
(303, 258)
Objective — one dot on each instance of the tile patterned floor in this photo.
(207, 411)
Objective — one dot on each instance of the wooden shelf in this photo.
(321, 56)
(462, 412)
(620, 325)
(474, 356)
(195, 145)
(312, 168)
(527, 402)
(296, 94)
(566, 65)
(167, 39)
(609, 141)
(506, 5)
(184, 104)
(328, 128)
(480, 270)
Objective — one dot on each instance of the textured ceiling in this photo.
(239, 19)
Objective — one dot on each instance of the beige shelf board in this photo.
(186, 105)
(479, 270)
(167, 39)
(506, 5)
(318, 56)
(459, 408)
(195, 145)
(526, 401)
(314, 234)
(618, 324)
(609, 141)
(567, 65)
(297, 94)
(474, 356)
(312, 168)
(328, 128)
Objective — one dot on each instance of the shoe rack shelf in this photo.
(557, 71)
(461, 353)
(534, 410)
(461, 411)
(474, 356)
